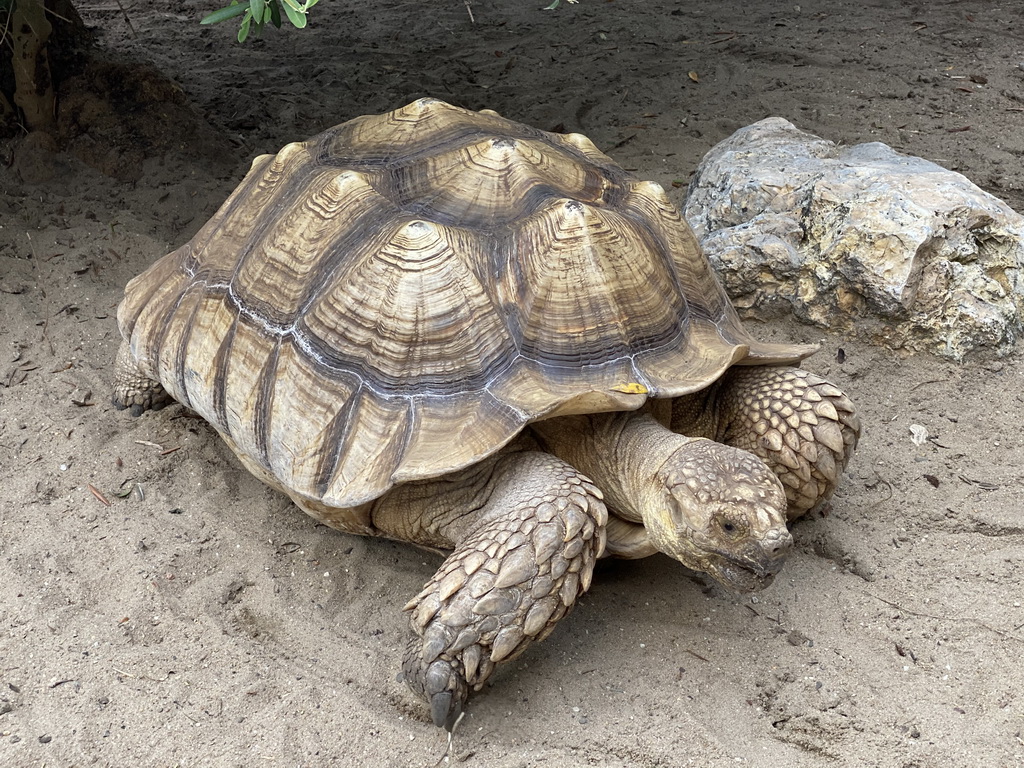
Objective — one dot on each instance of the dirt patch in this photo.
(116, 114)
(200, 619)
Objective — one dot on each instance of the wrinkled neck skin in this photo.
(621, 452)
(712, 507)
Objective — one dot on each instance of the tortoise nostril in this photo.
(779, 543)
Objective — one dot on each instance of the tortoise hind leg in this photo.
(798, 423)
(522, 557)
(133, 388)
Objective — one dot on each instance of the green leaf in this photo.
(275, 14)
(257, 7)
(243, 31)
(297, 18)
(230, 12)
(554, 4)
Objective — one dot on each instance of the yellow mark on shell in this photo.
(632, 388)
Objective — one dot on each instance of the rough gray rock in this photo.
(861, 240)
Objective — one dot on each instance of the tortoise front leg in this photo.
(527, 530)
(799, 424)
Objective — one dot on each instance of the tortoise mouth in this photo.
(750, 569)
(752, 566)
(744, 577)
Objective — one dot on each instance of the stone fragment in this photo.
(861, 240)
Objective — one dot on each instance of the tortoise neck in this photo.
(621, 452)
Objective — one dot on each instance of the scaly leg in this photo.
(798, 423)
(133, 388)
(527, 529)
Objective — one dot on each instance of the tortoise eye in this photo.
(729, 526)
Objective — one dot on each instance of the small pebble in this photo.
(918, 434)
(81, 397)
(796, 637)
(45, 739)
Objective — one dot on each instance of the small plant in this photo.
(256, 13)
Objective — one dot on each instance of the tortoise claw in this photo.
(440, 704)
(447, 691)
(441, 683)
(445, 710)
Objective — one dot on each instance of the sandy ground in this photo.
(200, 620)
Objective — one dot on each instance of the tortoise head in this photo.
(721, 510)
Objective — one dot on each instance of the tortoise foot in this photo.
(514, 575)
(133, 389)
(802, 426)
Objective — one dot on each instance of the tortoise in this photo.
(447, 328)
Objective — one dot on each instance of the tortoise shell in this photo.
(395, 298)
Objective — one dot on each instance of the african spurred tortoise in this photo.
(448, 328)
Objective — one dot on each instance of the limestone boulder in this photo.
(862, 240)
